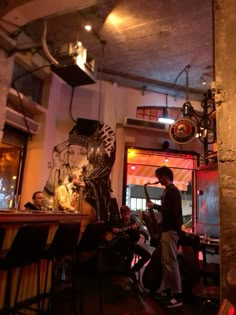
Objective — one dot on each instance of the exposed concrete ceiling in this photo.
(145, 44)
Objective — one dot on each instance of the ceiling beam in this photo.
(147, 84)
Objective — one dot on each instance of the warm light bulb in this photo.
(88, 27)
(131, 153)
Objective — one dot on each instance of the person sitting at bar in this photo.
(38, 202)
(62, 199)
(72, 184)
(125, 238)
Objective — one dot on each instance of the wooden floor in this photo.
(91, 288)
(115, 301)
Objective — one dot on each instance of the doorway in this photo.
(140, 165)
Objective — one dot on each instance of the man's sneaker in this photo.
(173, 302)
(126, 287)
(160, 296)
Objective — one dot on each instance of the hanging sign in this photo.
(183, 131)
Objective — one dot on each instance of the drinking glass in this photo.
(16, 202)
(206, 235)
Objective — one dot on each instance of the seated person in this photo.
(38, 202)
(62, 199)
(73, 185)
(126, 235)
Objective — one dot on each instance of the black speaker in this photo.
(86, 127)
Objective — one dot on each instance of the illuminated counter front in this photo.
(11, 221)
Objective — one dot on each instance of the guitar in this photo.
(111, 237)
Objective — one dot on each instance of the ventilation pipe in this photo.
(45, 47)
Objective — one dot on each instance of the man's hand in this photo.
(134, 226)
(115, 230)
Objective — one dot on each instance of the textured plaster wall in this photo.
(225, 60)
(5, 81)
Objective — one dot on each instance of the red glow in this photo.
(133, 167)
(231, 311)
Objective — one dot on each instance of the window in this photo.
(149, 112)
(12, 155)
(29, 84)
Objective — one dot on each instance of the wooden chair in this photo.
(26, 249)
(62, 248)
(87, 254)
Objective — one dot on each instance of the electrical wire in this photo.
(29, 72)
(100, 81)
(176, 79)
(70, 106)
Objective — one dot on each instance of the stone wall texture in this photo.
(225, 63)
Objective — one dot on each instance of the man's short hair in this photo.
(164, 171)
(124, 209)
(35, 194)
(71, 177)
(60, 182)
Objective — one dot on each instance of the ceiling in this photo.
(154, 45)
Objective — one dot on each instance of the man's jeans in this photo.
(171, 278)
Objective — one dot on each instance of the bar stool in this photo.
(26, 249)
(63, 246)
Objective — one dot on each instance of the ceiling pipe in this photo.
(45, 47)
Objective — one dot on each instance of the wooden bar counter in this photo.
(12, 221)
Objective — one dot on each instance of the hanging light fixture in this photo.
(185, 129)
(165, 119)
(193, 123)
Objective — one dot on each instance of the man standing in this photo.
(171, 210)
(62, 198)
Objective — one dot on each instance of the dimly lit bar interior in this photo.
(117, 157)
